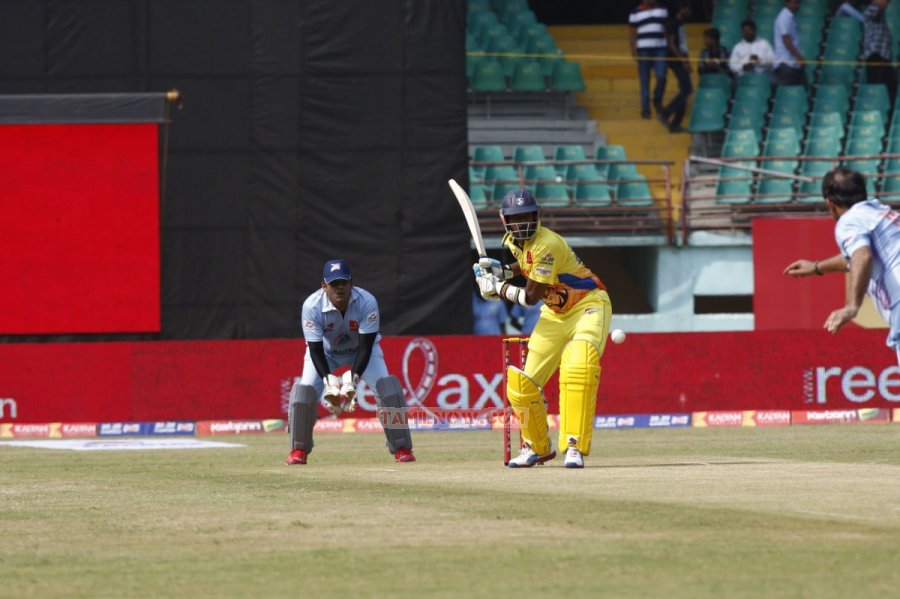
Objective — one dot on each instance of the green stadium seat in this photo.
(473, 59)
(828, 119)
(831, 98)
(753, 122)
(794, 120)
(540, 45)
(708, 113)
(479, 20)
(588, 193)
(811, 191)
(831, 133)
(873, 118)
(500, 172)
(478, 195)
(472, 44)
(845, 31)
(529, 153)
(515, 20)
(720, 80)
(754, 79)
(539, 172)
(748, 105)
(501, 188)
(507, 53)
(890, 188)
(569, 152)
(567, 77)
(840, 74)
(611, 152)
(475, 176)
(528, 77)
(490, 32)
(551, 195)
(872, 96)
(740, 136)
(785, 134)
(866, 166)
(775, 190)
(634, 192)
(526, 32)
(865, 132)
(581, 172)
(548, 63)
(790, 100)
(756, 95)
(482, 154)
(783, 150)
(488, 77)
(733, 186)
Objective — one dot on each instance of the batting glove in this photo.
(487, 286)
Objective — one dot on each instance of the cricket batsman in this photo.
(570, 334)
(340, 325)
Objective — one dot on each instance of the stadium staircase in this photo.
(612, 97)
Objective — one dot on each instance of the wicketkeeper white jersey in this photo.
(875, 225)
(339, 333)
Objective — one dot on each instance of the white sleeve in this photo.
(851, 234)
(737, 58)
(311, 319)
(371, 318)
(766, 54)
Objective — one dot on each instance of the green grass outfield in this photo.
(750, 512)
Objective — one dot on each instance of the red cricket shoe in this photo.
(404, 455)
(298, 456)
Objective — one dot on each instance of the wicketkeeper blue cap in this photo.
(336, 269)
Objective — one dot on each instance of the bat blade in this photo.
(471, 218)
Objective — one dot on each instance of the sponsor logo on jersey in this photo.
(329, 327)
(528, 258)
(542, 270)
(309, 325)
(354, 325)
(372, 318)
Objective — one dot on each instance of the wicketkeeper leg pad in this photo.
(527, 401)
(302, 416)
(579, 377)
(392, 413)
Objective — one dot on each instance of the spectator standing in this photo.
(788, 66)
(752, 53)
(877, 52)
(673, 113)
(714, 57)
(647, 38)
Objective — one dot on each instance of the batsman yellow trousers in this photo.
(573, 343)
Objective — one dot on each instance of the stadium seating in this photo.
(589, 193)
(567, 77)
(528, 77)
(634, 192)
(551, 194)
(529, 153)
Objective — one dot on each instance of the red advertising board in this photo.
(79, 229)
(780, 301)
(251, 380)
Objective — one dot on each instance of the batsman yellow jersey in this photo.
(547, 258)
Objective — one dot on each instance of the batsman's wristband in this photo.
(816, 268)
(514, 294)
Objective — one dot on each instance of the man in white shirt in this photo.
(868, 235)
(751, 53)
(788, 65)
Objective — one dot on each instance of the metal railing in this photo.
(612, 214)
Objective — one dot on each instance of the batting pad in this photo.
(392, 413)
(579, 377)
(527, 402)
(304, 412)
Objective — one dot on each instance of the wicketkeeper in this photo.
(570, 334)
(340, 325)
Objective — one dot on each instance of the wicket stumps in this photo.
(509, 359)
